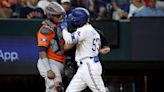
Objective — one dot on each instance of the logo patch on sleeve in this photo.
(78, 33)
(44, 39)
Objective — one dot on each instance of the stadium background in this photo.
(135, 63)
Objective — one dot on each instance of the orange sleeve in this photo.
(44, 39)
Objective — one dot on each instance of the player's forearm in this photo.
(43, 57)
(68, 40)
(46, 64)
(68, 37)
(68, 46)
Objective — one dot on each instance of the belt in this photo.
(95, 59)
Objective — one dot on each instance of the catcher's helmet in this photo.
(79, 16)
(55, 9)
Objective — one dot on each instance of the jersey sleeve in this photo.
(44, 37)
(80, 35)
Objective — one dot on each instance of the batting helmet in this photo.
(55, 10)
(79, 16)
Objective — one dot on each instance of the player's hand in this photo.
(51, 74)
(105, 50)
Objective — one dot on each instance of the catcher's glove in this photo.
(70, 69)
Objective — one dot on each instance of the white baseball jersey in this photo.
(89, 71)
(88, 42)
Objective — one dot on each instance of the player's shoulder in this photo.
(45, 29)
(85, 30)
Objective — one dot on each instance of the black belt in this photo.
(96, 59)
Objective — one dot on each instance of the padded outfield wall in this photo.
(136, 42)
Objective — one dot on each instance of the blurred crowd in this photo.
(99, 9)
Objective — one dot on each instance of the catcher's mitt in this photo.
(70, 69)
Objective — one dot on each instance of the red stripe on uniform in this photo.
(91, 75)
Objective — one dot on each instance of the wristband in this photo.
(46, 64)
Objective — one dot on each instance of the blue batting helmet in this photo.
(79, 16)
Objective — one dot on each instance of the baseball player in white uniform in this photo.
(88, 44)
